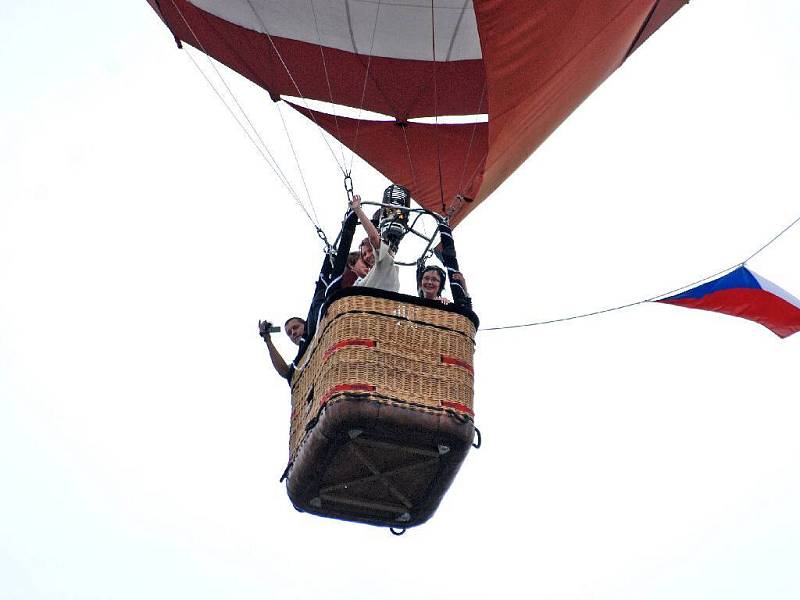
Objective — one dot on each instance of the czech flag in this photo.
(742, 293)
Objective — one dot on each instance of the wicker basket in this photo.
(382, 413)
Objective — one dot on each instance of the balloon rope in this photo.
(410, 158)
(654, 298)
(327, 80)
(364, 87)
(772, 241)
(436, 109)
(299, 168)
(263, 148)
(612, 309)
(260, 145)
(461, 181)
(266, 32)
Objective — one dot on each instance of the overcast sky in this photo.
(650, 452)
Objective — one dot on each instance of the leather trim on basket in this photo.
(345, 387)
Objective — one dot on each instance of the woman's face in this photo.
(367, 254)
(360, 267)
(430, 284)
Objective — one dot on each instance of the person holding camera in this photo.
(301, 331)
(295, 329)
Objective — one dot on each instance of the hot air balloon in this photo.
(465, 91)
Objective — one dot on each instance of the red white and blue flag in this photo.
(742, 293)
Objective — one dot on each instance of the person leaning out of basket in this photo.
(378, 253)
(331, 278)
(295, 329)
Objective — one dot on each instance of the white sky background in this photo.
(648, 453)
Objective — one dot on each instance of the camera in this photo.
(266, 327)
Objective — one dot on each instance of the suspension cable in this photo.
(297, 162)
(461, 181)
(228, 89)
(436, 108)
(364, 87)
(260, 145)
(268, 158)
(327, 80)
(266, 32)
(408, 153)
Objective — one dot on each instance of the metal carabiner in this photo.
(329, 250)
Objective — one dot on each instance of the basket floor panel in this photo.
(387, 467)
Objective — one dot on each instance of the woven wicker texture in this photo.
(389, 351)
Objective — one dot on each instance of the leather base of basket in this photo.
(377, 463)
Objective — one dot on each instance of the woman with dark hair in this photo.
(431, 279)
(430, 285)
(356, 267)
